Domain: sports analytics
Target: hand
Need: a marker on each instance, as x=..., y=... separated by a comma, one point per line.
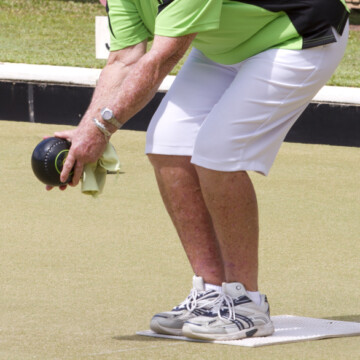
x=87, y=146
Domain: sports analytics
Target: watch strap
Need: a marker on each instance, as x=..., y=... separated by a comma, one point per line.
x=102, y=128
x=114, y=122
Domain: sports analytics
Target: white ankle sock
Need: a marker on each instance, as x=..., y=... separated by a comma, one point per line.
x=254, y=297
x=217, y=288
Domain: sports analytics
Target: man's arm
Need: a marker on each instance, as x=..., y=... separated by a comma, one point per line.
x=141, y=85
x=118, y=67
x=127, y=83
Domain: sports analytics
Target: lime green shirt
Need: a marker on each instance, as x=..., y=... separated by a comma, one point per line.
x=229, y=31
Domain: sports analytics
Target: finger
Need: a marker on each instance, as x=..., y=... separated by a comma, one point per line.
x=78, y=171
x=66, y=134
x=67, y=167
x=61, y=187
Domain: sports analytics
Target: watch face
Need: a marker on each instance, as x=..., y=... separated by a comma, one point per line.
x=106, y=114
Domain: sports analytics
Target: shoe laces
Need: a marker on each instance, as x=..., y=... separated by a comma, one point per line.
x=196, y=300
x=224, y=307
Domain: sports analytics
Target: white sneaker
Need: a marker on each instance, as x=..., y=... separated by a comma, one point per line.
x=198, y=303
x=234, y=316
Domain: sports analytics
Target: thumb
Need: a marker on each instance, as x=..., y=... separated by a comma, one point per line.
x=67, y=166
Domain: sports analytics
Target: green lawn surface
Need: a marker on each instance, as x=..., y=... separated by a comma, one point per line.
x=80, y=276
x=61, y=32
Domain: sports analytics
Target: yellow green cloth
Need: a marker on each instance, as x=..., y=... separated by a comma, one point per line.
x=94, y=176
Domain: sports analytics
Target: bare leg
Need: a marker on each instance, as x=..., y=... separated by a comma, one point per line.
x=231, y=201
x=179, y=187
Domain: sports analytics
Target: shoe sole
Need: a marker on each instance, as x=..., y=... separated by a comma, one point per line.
x=258, y=331
x=160, y=329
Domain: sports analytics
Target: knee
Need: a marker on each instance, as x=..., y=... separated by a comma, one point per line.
x=159, y=161
x=155, y=160
x=173, y=168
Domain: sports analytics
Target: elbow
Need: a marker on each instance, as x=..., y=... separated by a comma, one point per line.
x=127, y=56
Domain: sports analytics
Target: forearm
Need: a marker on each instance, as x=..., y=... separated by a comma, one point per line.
x=126, y=84
x=137, y=89
x=118, y=67
x=108, y=85
x=127, y=90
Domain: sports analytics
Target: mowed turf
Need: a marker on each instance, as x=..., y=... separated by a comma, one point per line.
x=79, y=276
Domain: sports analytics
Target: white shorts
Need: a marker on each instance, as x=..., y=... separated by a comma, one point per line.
x=235, y=117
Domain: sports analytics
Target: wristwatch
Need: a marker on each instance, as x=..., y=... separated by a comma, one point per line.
x=108, y=116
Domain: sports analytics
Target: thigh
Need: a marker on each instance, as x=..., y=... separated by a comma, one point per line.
x=198, y=86
x=246, y=127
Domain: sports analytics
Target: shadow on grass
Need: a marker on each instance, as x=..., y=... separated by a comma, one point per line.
x=83, y=1
x=137, y=338
x=352, y=318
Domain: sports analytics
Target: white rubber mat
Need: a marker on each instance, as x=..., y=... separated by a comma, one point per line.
x=288, y=329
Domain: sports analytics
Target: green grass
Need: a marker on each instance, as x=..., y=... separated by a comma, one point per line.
x=61, y=32
x=52, y=32
x=348, y=72
x=79, y=276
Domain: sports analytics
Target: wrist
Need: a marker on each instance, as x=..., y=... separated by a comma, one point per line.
x=107, y=124
x=107, y=134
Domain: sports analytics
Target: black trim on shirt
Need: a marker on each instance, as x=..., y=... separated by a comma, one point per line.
x=312, y=19
x=110, y=27
x=163, y=4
